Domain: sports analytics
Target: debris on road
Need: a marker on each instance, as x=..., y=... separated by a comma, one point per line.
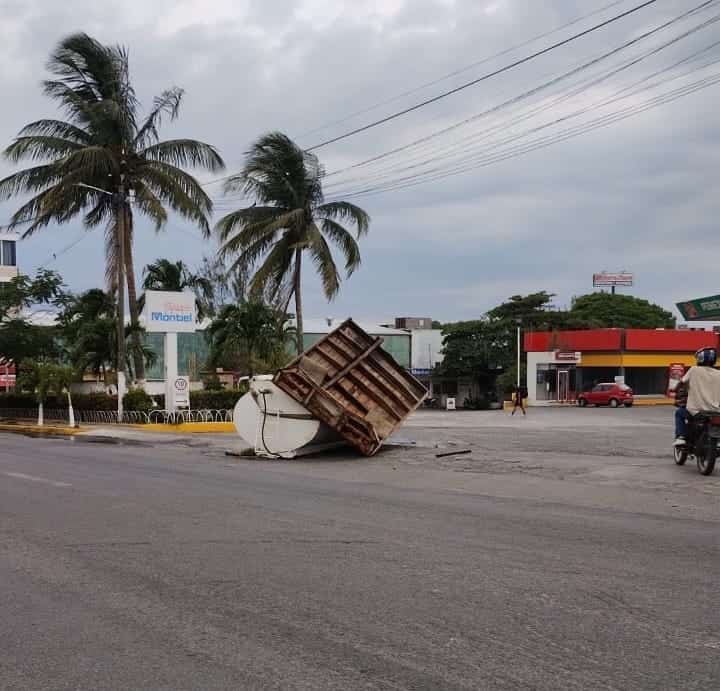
x=460, y=452
x=348, y=382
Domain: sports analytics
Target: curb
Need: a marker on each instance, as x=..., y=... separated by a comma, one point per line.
x=36, y=431
x=190, y=428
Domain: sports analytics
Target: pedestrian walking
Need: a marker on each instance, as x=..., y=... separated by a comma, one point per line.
x=520, y=395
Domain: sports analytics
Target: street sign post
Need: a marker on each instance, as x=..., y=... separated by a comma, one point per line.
x=700, y=309
x=181, y=392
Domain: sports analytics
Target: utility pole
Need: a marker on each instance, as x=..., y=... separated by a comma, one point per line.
x=120, y=258
x=518, y=356
x=120, y=201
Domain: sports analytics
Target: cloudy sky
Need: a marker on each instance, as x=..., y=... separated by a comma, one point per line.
x=639, y=195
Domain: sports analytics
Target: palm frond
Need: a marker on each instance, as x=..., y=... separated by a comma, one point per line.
x=250, y=253
x=251, y=226
x=100, y=213
x=30, y=180
x=345, y=211
x=186, y=153
x=58, y=203
x=163, y=274
x=270, y=276
x=169, y=189
x=55, y=128
x=185, y=181
x=95, y=72
x=240, y=219
x=92, y=163
x=324, y=262
x=40, y=148
x=275, y=172
x=167, y=104
x=149, y=205
x=345, y=241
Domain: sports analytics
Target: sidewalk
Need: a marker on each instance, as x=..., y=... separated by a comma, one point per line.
x=150, y=435
x=154, y=435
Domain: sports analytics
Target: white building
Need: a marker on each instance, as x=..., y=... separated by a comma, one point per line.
x=8, y=256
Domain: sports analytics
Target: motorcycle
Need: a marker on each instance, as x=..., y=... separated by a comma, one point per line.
x=703, y=443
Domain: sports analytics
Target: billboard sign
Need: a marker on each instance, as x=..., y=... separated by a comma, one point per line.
x=700, y=309
x=169, y=312
x=606, y=280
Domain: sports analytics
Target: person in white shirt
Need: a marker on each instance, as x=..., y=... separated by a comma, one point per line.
x=703, y=382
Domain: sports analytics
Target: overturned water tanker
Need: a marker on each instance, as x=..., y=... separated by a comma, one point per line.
x=343, y=389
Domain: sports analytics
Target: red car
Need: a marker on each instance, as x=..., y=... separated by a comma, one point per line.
x=613, y=395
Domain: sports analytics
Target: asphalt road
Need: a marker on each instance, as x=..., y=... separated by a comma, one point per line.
x=177, y=568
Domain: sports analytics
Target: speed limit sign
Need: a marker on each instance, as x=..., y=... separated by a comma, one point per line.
x=181, y=392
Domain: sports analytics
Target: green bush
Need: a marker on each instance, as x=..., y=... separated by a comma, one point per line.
x=480, y=403
x=91, y=401
x=133, y=400
x=215, y=400
x=213, y=383
x=137, y=399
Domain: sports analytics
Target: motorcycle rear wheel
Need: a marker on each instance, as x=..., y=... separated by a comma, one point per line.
x=706, y=455
x=681, y=455
x=706, y=466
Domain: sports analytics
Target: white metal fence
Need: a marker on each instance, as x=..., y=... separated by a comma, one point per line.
x=133, y=417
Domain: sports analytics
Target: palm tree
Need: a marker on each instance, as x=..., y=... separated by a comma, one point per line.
x=106, y=161
x=288, y=219
x=163, y=274
x=247, y=335
x=87, y=326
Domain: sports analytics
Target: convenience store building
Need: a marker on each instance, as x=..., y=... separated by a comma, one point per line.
x=561, y=364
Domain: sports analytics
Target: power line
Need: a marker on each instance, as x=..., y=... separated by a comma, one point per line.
x=544, y=142
x=55, y=255
x=552, y=103
x=616, y=97
x=462, y=70
x=489, y=75
x=475, y=81
x=482, y=159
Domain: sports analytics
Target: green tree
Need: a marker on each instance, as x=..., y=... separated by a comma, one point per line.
x=87, y=326
x=247, y=335
x=38, y=377
x=20, y=337
x=226, y=286
x=103, y=152
x=63, y=377
x=163, y=274
x=23, y=292
x=485, y=350
x=621, y=311
x=535, y=312
x=288, y=220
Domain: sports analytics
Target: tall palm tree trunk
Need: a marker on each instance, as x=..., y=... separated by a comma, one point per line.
x=298, y=300
x=138, y=360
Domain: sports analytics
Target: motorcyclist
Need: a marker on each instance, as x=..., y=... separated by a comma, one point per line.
x=703, y=386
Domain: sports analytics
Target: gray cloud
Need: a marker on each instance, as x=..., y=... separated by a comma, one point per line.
x=638, y=195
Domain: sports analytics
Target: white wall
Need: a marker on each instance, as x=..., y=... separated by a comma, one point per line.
x=426, y=348
x=533, y=360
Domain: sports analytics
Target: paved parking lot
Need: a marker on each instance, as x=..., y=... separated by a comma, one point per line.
x=595, y=455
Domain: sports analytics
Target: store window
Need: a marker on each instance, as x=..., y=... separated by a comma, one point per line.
x=446, y=387
x=8, y=255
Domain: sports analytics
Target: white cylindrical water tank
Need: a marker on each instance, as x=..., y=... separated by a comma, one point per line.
x=274, y=424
